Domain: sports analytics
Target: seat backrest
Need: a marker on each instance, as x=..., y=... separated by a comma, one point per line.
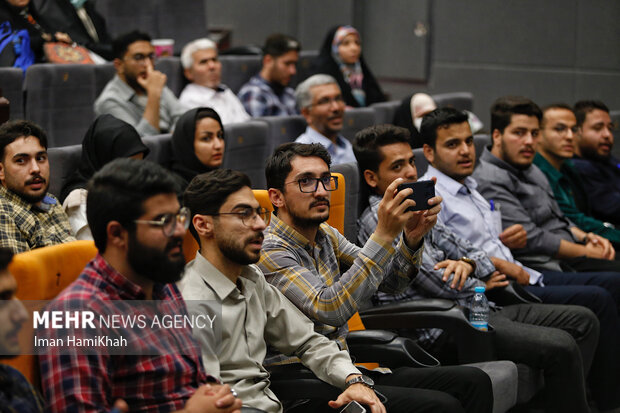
x=480, y=142
x=42, y=274
x=171, y=67
x=384, y=111
x=63, y=162
x=161, y=148
x=247, y=149
x=356, y=120
x=304, y=66
x=351, y=202
x=103, y=74
x=421, y=164
x=283, y=129
x=60, y=99
x=11, y=79
x=236, y=69
x=457, y=100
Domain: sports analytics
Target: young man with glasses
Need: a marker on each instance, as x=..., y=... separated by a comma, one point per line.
x=228, y=223
x=329, y=279
x=138, y=228
x=138, y=93
x=320, y=100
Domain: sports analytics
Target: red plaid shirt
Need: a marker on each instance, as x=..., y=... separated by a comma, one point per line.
x=91, y=383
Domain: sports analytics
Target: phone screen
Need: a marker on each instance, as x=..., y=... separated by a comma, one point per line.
x=353, y=407
x=422, y=192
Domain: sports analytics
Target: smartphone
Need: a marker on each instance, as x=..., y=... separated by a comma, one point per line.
x=353, y=407
x=422, y=192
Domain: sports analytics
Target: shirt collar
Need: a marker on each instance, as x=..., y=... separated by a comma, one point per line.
x=15, y=199
x=319, y=138
x=286, y=232
x=487, y=156
x=221, y=284
x=124, y=91
x=552, y=174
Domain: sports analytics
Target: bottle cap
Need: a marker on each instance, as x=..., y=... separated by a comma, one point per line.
x=479, y=289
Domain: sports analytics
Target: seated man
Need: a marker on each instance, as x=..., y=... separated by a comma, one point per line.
x=526, y=333
x=30, y=216
x=554, y=152
x=138, y=94
x=329, y=279
x=506, y=176
x=599, y=170
x=203, y=69
x=138, y=228
x=321, y=103
x=228, y=223
x=267, y=93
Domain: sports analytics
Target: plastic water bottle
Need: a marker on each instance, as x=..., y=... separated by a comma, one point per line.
x=479, y=310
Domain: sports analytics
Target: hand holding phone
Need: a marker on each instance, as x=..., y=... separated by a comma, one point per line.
x=422, y=192
x=353, y=407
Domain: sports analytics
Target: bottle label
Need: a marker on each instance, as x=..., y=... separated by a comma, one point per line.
x=480, y=325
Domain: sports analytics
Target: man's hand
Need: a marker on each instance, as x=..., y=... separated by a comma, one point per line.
x=391, y=215
x=361, y=394
x=511, y=270
x=422, y=222
x=608, y=252
x=514, y=236
x=213, y=399
x=154, y=81
x=461, y=271
x=496, y=280
x=63, y=37
x=120, y=406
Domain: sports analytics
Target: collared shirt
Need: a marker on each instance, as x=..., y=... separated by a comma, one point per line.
x=121, y=101
x=25, y=226
x=260, y=99
x=469, y=216
x=341, y=151
x=568, y=188
x=330, y=279
x=153, y=383
x=525, y=198
x=16, y=394
x=222, y=99
x=439, y=244
x=602, y=178
x=254, y=314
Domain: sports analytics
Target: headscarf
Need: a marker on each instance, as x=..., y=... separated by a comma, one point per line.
x=352, y=73
x=184, y=159
x=421, y=104
x=107, y=138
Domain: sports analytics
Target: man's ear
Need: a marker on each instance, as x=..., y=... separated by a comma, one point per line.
x=117, y=235
x=203, y=224
x=371, y=178
x=118, y=65
x=2, y=172
x=429, y=153
x=276, y=197
x=267, y=60
x=496, y=136
x=188, y=74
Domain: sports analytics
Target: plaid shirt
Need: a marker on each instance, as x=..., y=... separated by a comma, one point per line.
x=439, y=244
x=309, y=275
x=259, y=99
x=91, y=383
x=25, y=226
x=16, y=394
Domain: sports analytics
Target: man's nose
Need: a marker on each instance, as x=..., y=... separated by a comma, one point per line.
x=34, y=166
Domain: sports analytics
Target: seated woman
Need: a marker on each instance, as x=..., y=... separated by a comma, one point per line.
x=341, y=57
x=197, y=144
x=107, y=138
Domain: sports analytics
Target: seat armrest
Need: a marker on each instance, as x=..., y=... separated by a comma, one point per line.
x=397, y=352
x=363, y=337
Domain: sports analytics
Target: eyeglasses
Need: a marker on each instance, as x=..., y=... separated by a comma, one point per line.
x=309, y=184
x=168, y=222
x=139, y=57
x=328, y=101
x=248, y=215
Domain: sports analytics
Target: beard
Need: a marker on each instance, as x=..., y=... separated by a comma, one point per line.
x=309, y=222
x=154, y=264
x=235, y=250
x=28, y=197
x=132, y=81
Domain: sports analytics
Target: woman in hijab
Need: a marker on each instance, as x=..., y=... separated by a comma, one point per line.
x=197, y=144
x=107, y=138
x=341, y=57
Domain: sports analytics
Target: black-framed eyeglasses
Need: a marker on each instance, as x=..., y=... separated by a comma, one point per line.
x=248, y=215
x=169, y=222
x=139, y=57
x=309, y=184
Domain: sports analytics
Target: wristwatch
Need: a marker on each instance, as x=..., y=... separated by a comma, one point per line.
x=470, y=262
x=365, y=380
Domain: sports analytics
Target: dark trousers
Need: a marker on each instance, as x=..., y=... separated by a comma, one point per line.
x=590, y=264
x=427, y=390
x=588, y=290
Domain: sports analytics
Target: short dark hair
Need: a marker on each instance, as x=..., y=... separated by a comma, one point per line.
x=6, y=255
x=503, y=109
x=118, y=191
x=439, y=118
x=278, y=44
x=206, y=192
x=583, y=107
x=558, y=105
x=279, y=164
x=368, y=141
x=122, y=42
x=15, y=129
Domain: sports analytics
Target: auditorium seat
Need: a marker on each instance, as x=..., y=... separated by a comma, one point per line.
x=283, y=129
x=60, y=99
x=356, y=120
x=171, y=67
x=480, y=142
x=247, y=149
x=237, y=70
x=63, y=162
x=304, y=66
x=11, y=82
x=103, y=74
x=351, y=179
x=457, y=100
x=384, y=111
x=421, y=164
x=161, y=148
